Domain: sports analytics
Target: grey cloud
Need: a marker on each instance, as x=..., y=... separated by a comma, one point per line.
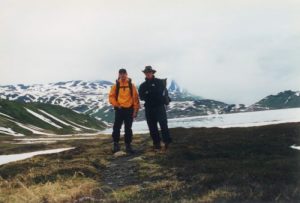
x=222, y=50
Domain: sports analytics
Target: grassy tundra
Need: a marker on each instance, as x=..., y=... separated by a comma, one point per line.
x=203, y=165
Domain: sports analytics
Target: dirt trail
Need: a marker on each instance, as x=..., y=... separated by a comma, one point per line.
x=122, y=170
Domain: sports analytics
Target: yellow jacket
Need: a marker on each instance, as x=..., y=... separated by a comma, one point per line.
x=124, y=98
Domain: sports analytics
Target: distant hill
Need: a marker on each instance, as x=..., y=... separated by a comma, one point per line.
x=17, y=118
x=286, y=99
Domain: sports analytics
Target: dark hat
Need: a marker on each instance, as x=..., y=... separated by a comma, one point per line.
x=122, y=70
x=149, y=69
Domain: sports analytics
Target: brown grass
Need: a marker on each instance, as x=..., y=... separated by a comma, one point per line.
x=61, y=190
x=202, y=165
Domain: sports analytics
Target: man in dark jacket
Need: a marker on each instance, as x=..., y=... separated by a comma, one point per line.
x=152, y=92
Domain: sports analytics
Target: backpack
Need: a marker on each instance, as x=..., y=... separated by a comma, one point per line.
x=166, y=96
x=118, y=88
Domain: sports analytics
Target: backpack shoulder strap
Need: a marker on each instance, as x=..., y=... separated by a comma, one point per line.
x=130, y=87
x=117, y=89
x=162, y=83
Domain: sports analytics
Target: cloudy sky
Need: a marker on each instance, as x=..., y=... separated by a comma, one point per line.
x=235, y=51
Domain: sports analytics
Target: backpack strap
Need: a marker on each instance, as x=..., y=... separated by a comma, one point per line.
x=130, y=87
x=117, y=89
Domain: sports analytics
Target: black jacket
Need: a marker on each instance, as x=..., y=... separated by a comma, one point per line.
x=151, y=91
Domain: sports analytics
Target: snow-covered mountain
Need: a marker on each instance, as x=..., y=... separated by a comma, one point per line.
x=179, y=94
x=80, y=96
x=77, y=95
x=92, y=98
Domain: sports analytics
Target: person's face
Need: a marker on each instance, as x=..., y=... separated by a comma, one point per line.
x=149, y=75
x=123, y=76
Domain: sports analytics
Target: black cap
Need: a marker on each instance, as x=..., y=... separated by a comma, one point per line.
x=149, y=69
x=122, y=70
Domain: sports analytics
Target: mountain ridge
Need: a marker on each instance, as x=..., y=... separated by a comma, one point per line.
x=91, y=97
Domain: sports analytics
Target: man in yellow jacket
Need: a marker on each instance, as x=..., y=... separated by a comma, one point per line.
x=124, y=98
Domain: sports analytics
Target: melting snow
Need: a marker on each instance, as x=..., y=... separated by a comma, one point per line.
x=4, y=159
x=6, y=115
x=9, y=131
x=32, y=129
x=64, y=123
x=295, y=147
x=43, y=118
x=49, y=139
x=51, y=116
x=82, y=126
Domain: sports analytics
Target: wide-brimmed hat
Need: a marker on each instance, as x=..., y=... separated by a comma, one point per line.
x=149, y=69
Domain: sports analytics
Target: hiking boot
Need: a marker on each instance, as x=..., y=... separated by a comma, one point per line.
x=167, y=145
x=156, y=147
x=116, y=147
x=129, y=149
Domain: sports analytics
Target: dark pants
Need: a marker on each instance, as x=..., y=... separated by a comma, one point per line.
x=156, y=115
x=123, y=115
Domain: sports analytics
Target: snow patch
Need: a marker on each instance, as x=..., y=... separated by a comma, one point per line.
x=57, y=119
x=9, y=131
x=287, y=100
x=81, y=126
x=295, y=147
x=6, y=115
x=49, y=139
x=43, y=118
x=51, y=116
x=4, y=159
x=33, y=129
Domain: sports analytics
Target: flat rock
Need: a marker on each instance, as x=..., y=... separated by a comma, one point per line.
x=120, y=154
x=138, y=158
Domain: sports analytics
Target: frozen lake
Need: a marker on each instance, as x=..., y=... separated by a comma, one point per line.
x=245, y=119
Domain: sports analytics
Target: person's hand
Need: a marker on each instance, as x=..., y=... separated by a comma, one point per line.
x=134, y=115
x=118, y=106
